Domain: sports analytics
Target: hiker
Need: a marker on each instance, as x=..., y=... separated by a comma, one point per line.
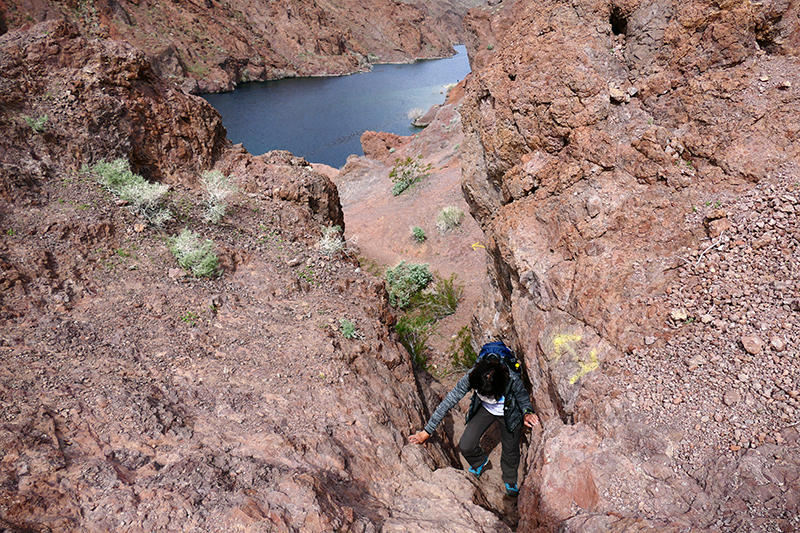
x=499, y=396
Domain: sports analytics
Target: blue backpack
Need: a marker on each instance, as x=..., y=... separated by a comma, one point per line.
x=498, y=351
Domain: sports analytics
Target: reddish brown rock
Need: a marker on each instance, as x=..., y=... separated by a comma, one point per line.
x=137, y=399
x=211, y=46
x=599, y=139
x=752, y=344
x=382, y=146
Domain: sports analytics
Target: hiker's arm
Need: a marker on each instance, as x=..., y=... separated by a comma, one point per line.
x=524, y=401
x=452, y=398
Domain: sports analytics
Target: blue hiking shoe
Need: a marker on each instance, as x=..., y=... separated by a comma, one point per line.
x=512, y=489
x=478, y=471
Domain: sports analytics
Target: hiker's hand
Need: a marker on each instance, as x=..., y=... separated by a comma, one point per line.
x=531, y=420
x=419, y=437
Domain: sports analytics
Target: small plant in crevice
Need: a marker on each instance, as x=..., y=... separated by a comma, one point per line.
x=462, y=353
x=418, y=234
x=349, y=330
x=195, y=255
x=37, y=124
x=333, y=242
x=449, y=218
x=413, y=330
x=218, y=188
x=144, y=198
x=406, y=172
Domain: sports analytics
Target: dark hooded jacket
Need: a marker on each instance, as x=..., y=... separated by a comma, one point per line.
x=517, y=403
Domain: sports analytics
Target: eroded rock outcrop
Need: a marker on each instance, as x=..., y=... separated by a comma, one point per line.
x=602, y=139
x=137, y=398
x=211, y=46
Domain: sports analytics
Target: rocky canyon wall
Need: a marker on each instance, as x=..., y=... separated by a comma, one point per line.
x=607, y=146
x=211, y=46
x=138, y=398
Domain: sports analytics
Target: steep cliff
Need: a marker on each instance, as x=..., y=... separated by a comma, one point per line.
x=138, y=398
x=211, y=45
x=633, y=165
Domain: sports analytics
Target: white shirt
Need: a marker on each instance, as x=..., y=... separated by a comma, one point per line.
x=495, y=407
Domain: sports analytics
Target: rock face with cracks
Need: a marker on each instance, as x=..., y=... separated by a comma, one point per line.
x=607, y=147
x=138, y=398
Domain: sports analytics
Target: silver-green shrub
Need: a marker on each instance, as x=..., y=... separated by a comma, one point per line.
x=218, y=188
x=143, y=197
x=331, y=242
x=195, y=255
x=415, y=112
x=448, y=218
x=406, y=281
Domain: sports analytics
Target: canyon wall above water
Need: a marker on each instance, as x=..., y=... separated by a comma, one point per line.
x=210, y=45
x=136, y=397
x=633, y=167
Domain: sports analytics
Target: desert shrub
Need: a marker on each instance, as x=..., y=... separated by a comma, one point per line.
x=196, y=256
x=422, y=306
x=407, y=172
x=36, y=124
x=448, y=218
x=348, y=329
x=406, y=281
x=332, y=242
x=442, y=300
x=413, y=330
x=218, y=188
x=143, y=197
x=415, y=112
x=418, y=234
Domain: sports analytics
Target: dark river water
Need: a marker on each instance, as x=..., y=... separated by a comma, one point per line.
x=322, y=119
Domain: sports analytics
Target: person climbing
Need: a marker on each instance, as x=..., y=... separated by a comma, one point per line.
x=500, y=397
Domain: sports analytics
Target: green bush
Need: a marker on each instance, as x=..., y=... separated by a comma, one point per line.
x=448, y=218
x=218, y=188
x=406, y=173
x=143, y=197
x=405, y=281
x=418, y=234
x=194, y=255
